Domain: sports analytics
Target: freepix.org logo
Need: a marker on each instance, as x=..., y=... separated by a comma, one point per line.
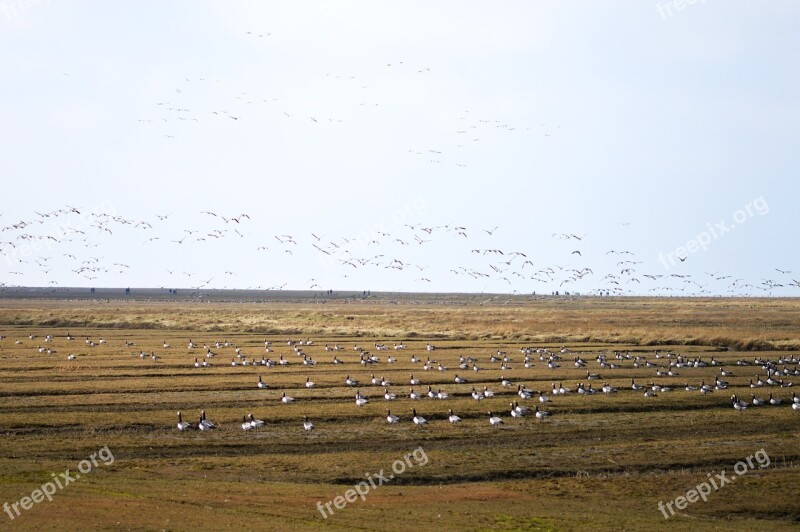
x=59, y=482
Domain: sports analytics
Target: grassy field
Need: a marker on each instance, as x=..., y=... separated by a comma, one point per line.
x=600, y=461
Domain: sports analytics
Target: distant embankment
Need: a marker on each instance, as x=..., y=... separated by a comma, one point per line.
x=741, y=324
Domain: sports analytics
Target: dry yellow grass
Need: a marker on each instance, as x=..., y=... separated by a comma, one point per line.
x=604, y=461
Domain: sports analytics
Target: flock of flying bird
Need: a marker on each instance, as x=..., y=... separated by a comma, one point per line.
x=71, y=245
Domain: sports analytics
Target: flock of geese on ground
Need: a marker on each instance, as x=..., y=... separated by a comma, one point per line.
x=663, y=364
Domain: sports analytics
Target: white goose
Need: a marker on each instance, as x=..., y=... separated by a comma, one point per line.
x=205, y=424
x=739, y=405
x=246, y=425
x=541, y=414
x=184, y=425
x=412, y=381
x=452, y=418
x=756, y=401
x=256, y=423
x=390, y=418
x=418, y=420
x=261, y=384
x=309, y=382
x=285, y=399
x=360, y=399
x=388, y=396
x=524, y=410
x=307, y=425
x=494, y=420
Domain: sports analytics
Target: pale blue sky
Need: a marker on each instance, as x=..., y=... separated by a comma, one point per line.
x=636, y=124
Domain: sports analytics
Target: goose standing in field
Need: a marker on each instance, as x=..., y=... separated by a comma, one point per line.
x=459, y=380
x=285, y=399
x=412, y=381
x=413, y=395
x=390, y=418
x=478, y=396
x=261, y=384
x=775, y=400
x=452, y=418
x=494, y=420
x=350, y=382
x=388, y=396
x=487, y=392
x=607, y=388
x=756, y=401
x=796, y=407
x=418, y=420
x=205, y=424
x=636, y=387
x=256, y=423
x=184, y=425
x=543, y=398
x=739, y=405
x=360, y=399
x=307, y=425
x=520, y=409
x=541, y=414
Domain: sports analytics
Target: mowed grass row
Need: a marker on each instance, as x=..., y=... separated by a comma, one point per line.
x=608, y=458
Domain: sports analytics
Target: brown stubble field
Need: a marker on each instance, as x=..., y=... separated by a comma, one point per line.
x=604, y=460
